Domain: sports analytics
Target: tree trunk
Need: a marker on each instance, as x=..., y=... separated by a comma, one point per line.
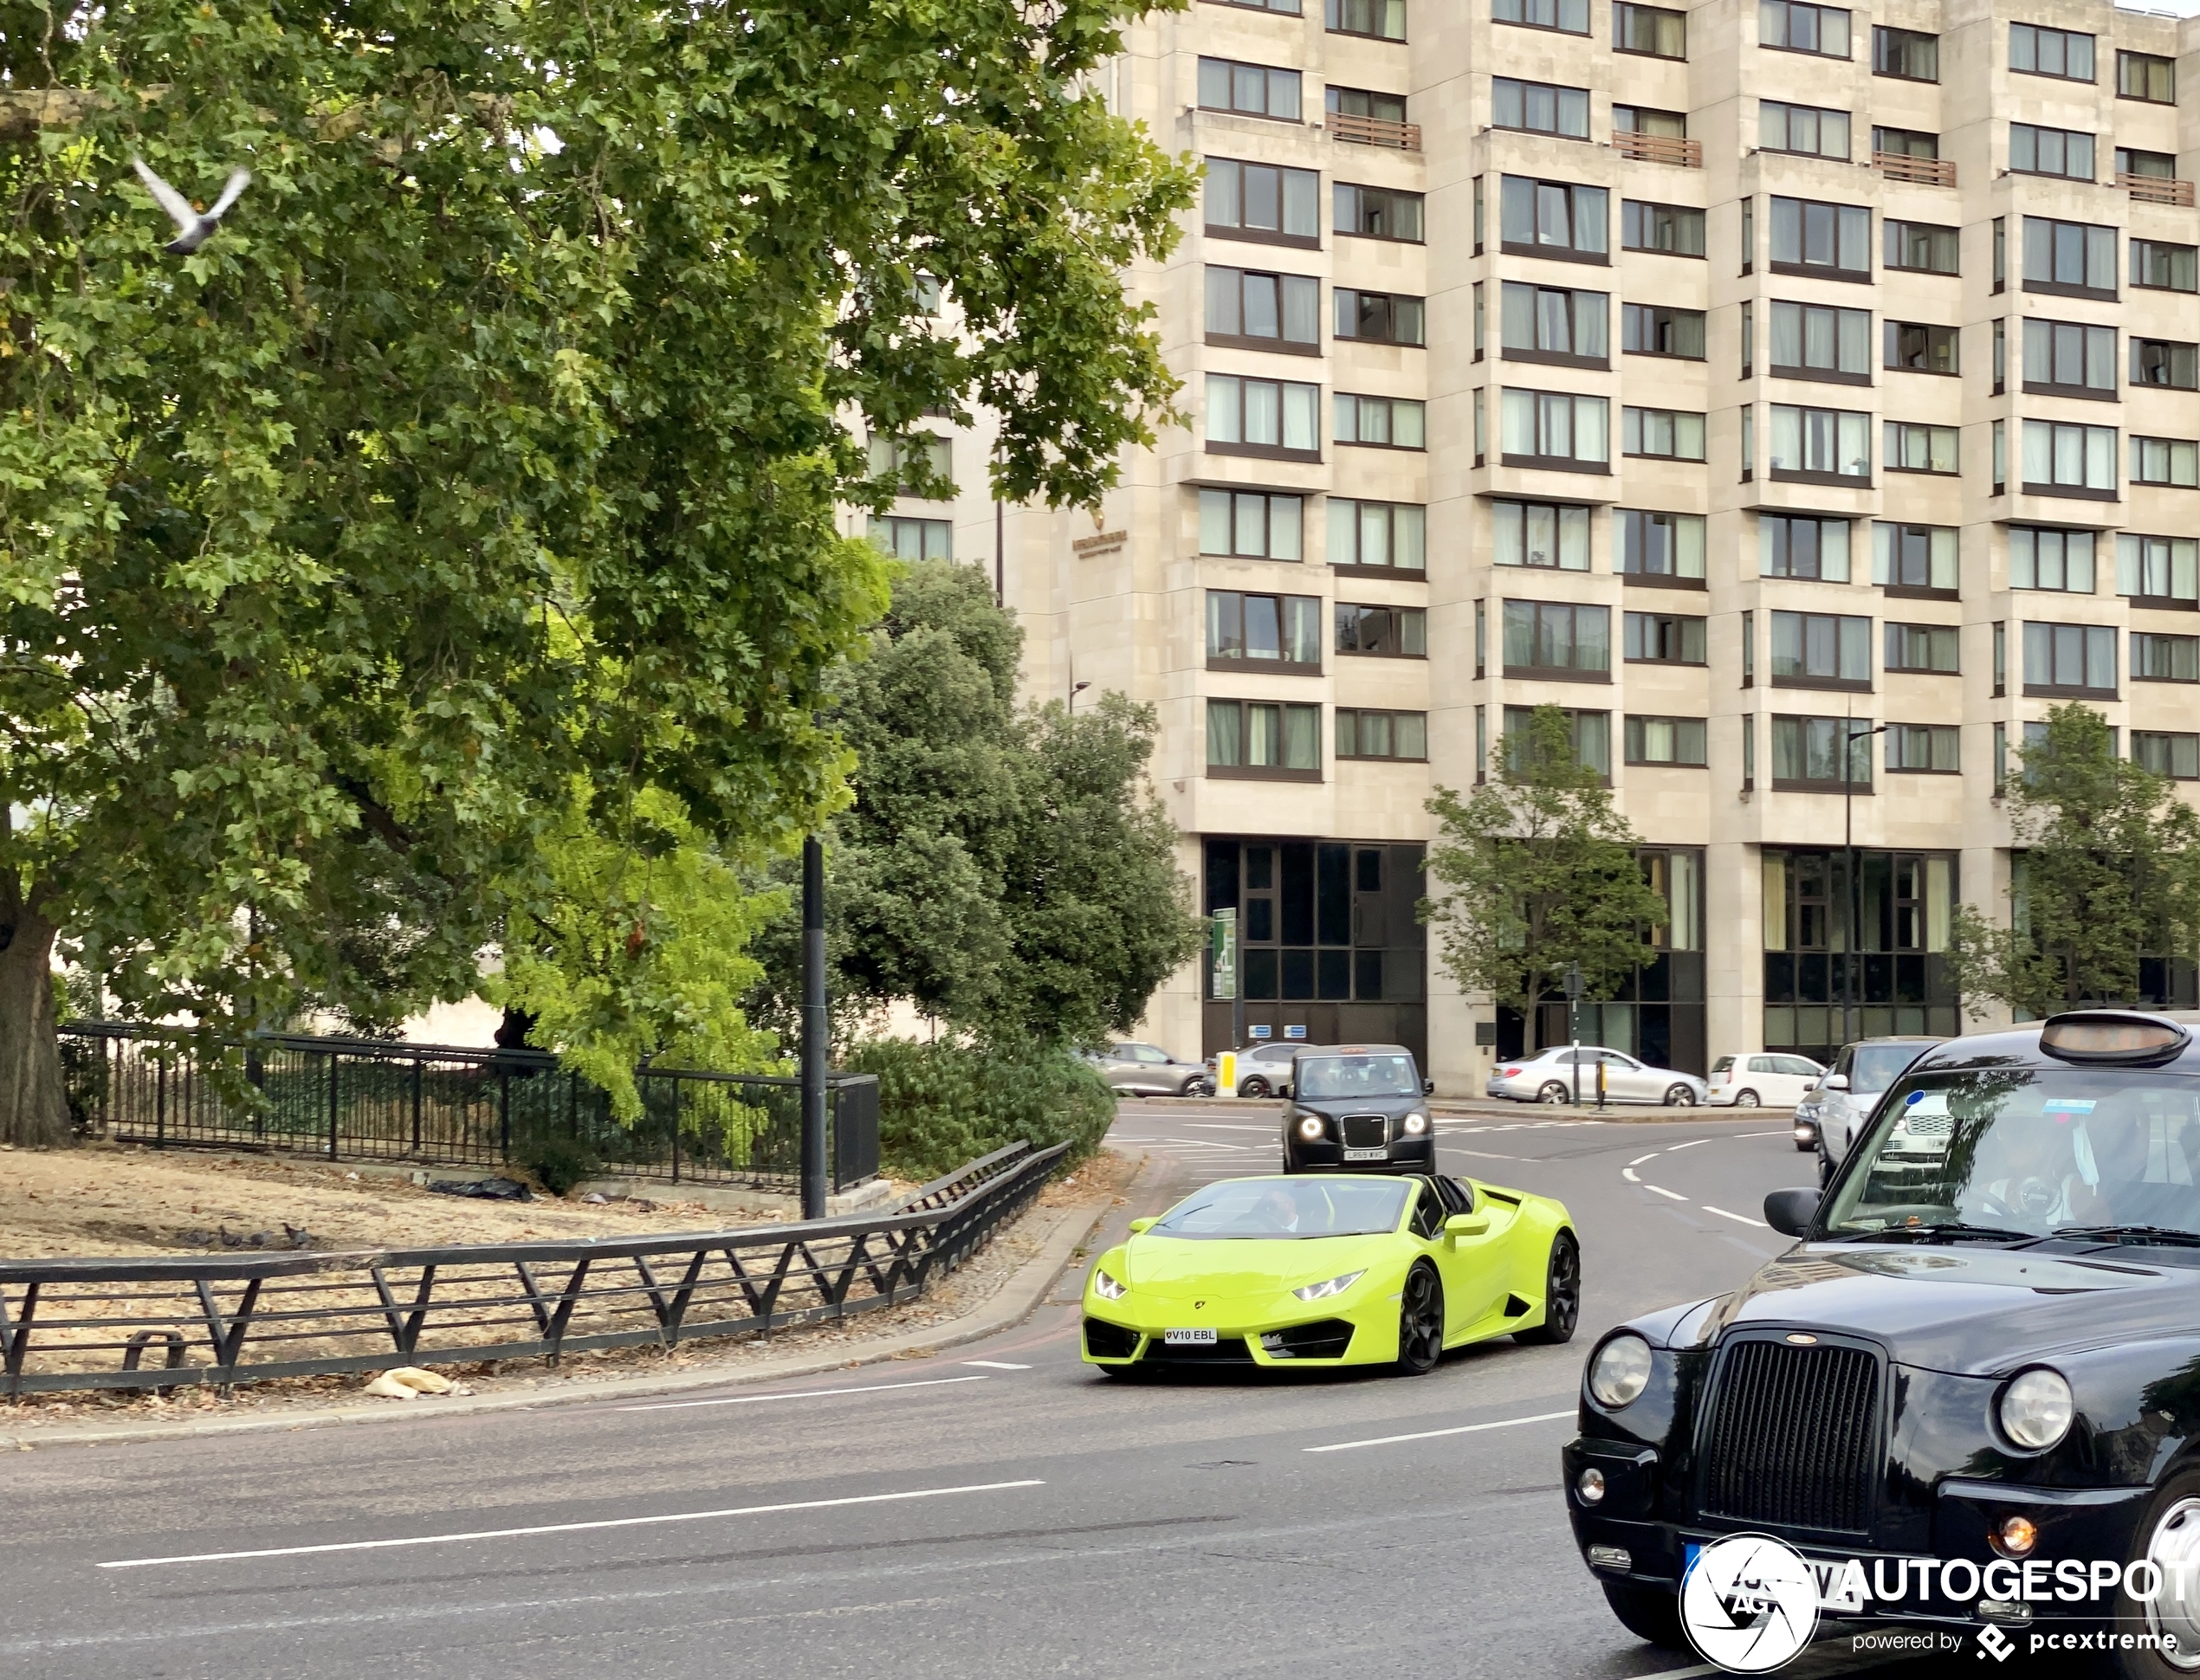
x=34, y=1104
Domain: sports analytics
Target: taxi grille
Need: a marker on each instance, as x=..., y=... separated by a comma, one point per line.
x=1792, y=1436
x=1365, y=1131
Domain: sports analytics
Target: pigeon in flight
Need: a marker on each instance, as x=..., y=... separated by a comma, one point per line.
x=193, y=230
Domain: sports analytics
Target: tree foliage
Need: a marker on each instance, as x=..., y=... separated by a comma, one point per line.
x=460, y=520
x=2107, y=869
x=1539, y=873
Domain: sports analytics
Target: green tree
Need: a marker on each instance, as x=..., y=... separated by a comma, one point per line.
x=461, y=518
x=2106, y=870
x=1540, y=872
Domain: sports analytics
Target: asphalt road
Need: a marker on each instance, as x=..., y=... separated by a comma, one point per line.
x=995, y=1511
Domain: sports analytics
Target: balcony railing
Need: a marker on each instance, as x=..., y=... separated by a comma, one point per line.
x=1658, y=148
x=1925, y=172
x=2155, y=189
x=1375, y=131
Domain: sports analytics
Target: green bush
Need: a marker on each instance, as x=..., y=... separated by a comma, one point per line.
x=942, y=1105
x=559, y=1160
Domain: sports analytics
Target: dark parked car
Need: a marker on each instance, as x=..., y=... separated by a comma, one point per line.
x=1148, y=1071
x=1981, y=1359
x=1358, y=1107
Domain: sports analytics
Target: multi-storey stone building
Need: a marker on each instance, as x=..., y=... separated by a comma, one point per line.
x=1741, y=378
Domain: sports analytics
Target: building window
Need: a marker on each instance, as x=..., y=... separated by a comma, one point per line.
x=2147, y=165
x=2035, y=51
x=1821, y=650
x=1280, y=633
x=1915, y=559
x=1643, y=119
x=1382, y=632
x=1557, y=639
x=1377, y=212
x=1917, y=347
x=1821, y=445
x=1803, y=547
x=2040, y=558
x=2157, y=570
x=1668, y=434
x=1262, y=417
x=1250, y=90
x=2164, y=266
x=1905, y=53
x=1794, y=27
x=2070, y=660
x=1539, y=107
x=1831, y=241
x=1906, y=143
x=1673, y=230
x=1749, y=651
x=1554, y=324
x=2000, y=659
x=1661, y=548
x=1364, y=734
x=1807, y=755
x=1651, y=31
x=1749, y=337
x=1263, y=312
x=1550, y=218
x=2059, y=152
x=1932, y=649
x=2074, y=259
x=2145, y=76
x=1373, y=106
x=2001, y=758
x=914, y=539
x=1384, y=20
x=1390, y=423
x=1249, y=525
x=1379, y=317
x=1264, y=739
x=1748, y=441
x=2166, y=362
x=1749, y=752
x=2068, y=359
x=1481, y=426
x=1481, y=640
x=1481, y=744
x=1554, y=535
x=1914, y=448
x=2001, y=456
x=1592, y=734
x=2061, y=460
x=913, y=462
x=1815, y=341
x=1550, y=429
x=1666, y=638
x=1290, y=8
x=1675, y=741
x=1656, y=329
x=1805, y=128
x=1568, y=17
x=1934, y=749
x=1262, y=201
x=1923, y=248
x=2177, y=756
x=2157, y=658
x=2173, y=462
x=1378, y=536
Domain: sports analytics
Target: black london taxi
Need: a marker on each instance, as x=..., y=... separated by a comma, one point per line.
x=1358, y=1107
x=1969, y=1395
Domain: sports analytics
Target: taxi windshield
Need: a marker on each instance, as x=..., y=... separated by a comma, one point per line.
x=1324, y=1078
x=2029, y=1150
x=1283, y=1208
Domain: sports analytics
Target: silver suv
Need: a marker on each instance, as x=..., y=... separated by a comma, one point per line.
x=1852, y=1087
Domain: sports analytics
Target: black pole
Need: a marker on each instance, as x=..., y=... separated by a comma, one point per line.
x=813, y=1029
x=1848, y=864
x=1000, y=559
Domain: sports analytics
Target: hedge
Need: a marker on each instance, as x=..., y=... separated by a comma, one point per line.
x=941, y=1105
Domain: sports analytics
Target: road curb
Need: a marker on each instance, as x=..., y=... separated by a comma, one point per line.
x=1019, y=1295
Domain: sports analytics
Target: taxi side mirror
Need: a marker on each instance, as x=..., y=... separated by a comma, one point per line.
x=1138, y=1225
x=1428, y=1087
x=1790, y=1212
x=1466, y=1224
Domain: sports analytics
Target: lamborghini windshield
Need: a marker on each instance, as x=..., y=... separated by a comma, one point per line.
x=2028, y=1151
x=1280, y=1208
x=1326, y=1079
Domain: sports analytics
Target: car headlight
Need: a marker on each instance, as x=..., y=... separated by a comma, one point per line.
x=1415, y=1124
x=1311, y=1127
x=1329, y=1286
x=1620, y=1372
x=2036, y=1409
x=1106, y=1287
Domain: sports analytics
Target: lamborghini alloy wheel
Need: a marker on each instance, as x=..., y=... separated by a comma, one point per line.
x=1561, y=1293
x=1420, y=1322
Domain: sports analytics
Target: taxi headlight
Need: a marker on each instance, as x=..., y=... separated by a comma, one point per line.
x=1329, y=1286
x=1416, y=1123
x=1106, y=1287
x=1311, y=1127
x=2036, y=1409
x=1620, y=1372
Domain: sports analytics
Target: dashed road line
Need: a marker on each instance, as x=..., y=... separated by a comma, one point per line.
x=804, y=1394
x=1662, y=1190
x=1739, y=1219
x=1431, y=1434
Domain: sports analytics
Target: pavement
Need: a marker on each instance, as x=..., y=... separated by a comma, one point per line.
x=995, y=1510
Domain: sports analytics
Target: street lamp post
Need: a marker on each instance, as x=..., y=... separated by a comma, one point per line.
x=1850, y=737
x=1575, y=987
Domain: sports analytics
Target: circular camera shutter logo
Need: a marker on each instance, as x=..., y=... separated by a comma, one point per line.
x=1750, y=1604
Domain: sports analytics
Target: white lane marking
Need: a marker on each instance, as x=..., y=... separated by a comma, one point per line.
x=1691, y=1144
x=1784, y=1132
x=1628, y=1173
x=1431, y=1434
x=1662, y=1190
x=1638, y=1159
x=1478, y=1154
x=1739, y=1219
x=573, y=1528
x=997, y=1365
x=1226, y=1126
x=804, y=1394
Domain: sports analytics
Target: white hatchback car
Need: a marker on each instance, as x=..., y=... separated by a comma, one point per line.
x=1764, y=1081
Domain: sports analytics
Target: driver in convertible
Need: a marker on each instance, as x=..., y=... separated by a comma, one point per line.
x=1276, y=1211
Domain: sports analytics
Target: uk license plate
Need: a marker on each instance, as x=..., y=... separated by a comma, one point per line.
x=1836, y=1587
x=1366, y=1154
x=1195, y=1338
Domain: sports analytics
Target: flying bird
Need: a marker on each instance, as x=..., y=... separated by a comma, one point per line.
x=193, y=229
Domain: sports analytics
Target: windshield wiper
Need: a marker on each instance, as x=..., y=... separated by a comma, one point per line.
x=1946, y=1230
x=2168, y=1235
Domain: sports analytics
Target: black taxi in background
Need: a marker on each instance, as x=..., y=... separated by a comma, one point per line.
x=1358, y=1107
x=1976, y=1376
